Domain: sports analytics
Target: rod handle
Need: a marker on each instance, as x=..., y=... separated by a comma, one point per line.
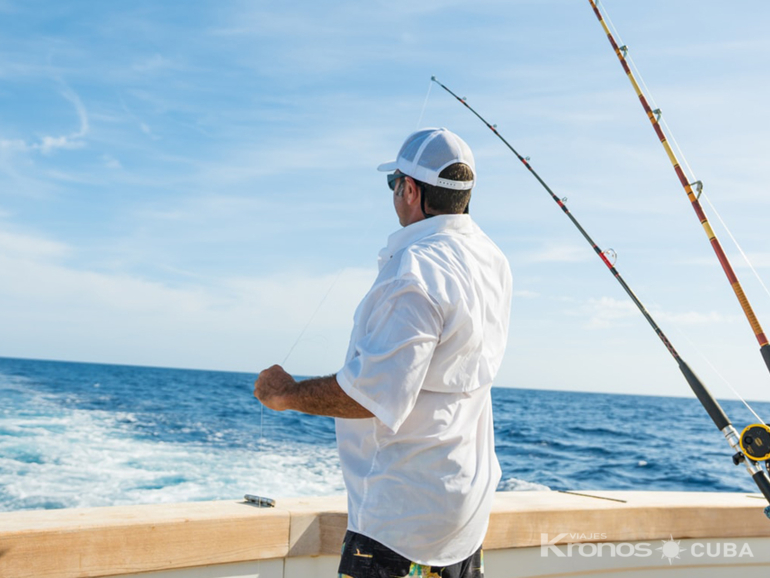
x=707, y=400
x=763, y=483
x=765, y=351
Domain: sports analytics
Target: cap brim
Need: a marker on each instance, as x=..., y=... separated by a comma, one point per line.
x=388, y=167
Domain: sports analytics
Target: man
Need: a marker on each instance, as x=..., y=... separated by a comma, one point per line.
x=412, y=402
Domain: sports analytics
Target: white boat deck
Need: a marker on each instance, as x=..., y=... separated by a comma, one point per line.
x=531, y=534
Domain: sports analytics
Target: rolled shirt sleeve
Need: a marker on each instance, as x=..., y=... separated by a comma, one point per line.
x=391, y=355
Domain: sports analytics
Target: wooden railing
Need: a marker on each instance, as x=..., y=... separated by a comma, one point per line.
x=128, y=540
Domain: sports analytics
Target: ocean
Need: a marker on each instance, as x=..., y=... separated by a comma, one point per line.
x=81, y=435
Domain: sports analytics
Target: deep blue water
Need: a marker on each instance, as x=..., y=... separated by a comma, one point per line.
x=78, y=434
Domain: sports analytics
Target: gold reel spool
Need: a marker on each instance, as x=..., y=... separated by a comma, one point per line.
x=755, y=442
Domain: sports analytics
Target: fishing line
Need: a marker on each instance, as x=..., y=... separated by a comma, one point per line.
x=715, y=370
x=612, y=26
x=424, y=104
x=629, y=57
x=654, y=118
x=637, y=73
x=309, y=321
x=735, y=241
x=268, y=502
x=680, y=154
x=299, y=338
x=709, y=403
x=703, y=195
x=333, y=284
x=690, y=172
x=263, y=502
x=672, y=137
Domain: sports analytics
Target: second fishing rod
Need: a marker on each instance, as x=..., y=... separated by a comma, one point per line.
x=654, y=118
x=710, y=404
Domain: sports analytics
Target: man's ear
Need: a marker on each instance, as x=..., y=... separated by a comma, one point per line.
x=412, y=192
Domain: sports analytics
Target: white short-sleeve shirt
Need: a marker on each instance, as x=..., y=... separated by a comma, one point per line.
x=427, y=341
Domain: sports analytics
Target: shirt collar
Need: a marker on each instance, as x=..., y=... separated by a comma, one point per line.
x=421, y=229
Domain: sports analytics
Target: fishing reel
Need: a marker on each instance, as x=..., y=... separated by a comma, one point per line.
x=755, y=442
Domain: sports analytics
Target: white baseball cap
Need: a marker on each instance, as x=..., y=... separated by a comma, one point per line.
x=429, y=151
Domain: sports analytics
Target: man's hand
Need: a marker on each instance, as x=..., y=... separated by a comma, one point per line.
x=274, y=388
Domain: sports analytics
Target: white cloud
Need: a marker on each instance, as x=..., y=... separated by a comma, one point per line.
x=56, y=311
x=606, y=312
x=20, y=246
x=111, y=162
x=526, y=294
x=13, y=145
x=696, y=318
x=48, y=144
x=72, y=96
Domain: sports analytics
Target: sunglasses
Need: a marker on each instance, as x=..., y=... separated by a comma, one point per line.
x=393, y=178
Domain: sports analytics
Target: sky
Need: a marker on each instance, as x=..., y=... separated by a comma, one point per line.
x=192, y=184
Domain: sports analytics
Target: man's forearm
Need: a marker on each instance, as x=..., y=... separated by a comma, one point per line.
x=324, y=396
x=278, y=390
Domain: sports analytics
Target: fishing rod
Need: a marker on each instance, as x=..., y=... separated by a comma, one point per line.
x=654, y=116
x=749, y=448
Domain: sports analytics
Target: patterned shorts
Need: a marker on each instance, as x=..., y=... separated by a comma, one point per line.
x=363, y=557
